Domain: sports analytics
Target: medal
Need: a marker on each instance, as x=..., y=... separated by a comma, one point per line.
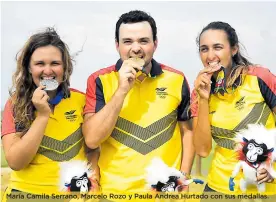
x=50, y=84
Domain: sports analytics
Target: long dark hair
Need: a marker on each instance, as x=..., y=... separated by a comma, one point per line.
x=241, y=62
x=23, y=86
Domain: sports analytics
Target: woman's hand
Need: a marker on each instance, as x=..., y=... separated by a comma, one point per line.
x=40, y=101
x=203, y=83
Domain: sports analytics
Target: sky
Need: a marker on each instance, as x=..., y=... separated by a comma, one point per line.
x=90, y=27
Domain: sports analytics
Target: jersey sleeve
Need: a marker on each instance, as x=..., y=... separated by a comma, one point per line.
x=184, y=113
x=267, y=85
x=94, y=95
x=8, y=124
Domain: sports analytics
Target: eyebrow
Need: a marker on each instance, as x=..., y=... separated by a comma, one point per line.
x=145, y=38
x=202, y=46
x=125, y=39
x=216, y=44
x=43, y=61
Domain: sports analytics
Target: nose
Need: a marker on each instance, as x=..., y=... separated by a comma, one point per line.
x=211, y=55
x=47, y=69
x=136, y=48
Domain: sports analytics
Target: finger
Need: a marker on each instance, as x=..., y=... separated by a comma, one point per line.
x=205, y=70
x=45, y=98
x=270, y=180
x=203, y=84
x=131, y=64
x=133, y=71
x=130, y=76
x=39, y=94
x=264, y=180
x=261, y=177
x=262, y=171
x=40, y=87
x=135, y=65
x=206, y=75
x=206, y=80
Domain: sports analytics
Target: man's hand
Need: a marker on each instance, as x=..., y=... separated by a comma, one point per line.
x=127, y=74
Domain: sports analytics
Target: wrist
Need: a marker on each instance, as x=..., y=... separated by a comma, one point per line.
x=121, y=93
x=43, y=116
x=203, y=101
x=186, y=175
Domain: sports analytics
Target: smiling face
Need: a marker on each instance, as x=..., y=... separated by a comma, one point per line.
x=215, y=49
x=136, y=40
x=46, y=63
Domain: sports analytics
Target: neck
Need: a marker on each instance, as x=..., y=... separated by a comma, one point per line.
x=148, y=68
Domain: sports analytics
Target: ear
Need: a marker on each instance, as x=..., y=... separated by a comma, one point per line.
x=117, y=45
x=244, y=139
x=271, y=150
x=234, y=50
x=155, y=44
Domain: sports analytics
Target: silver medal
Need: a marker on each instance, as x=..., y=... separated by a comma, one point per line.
x=51, y=84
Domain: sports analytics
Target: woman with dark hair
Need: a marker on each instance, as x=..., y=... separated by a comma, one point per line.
x=230, y=93
x=42, y=120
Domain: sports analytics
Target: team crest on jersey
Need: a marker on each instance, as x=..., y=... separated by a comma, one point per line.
x=161, y=92
x=240, y=104
x=70, y=116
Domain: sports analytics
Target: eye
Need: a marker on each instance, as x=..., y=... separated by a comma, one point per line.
x=78, y=183
x=127, y=42
x=250, y=146
x=259, y=151
x=144, y=42
x=218, y=47
x=85, y=180
x=203, y=49
x=55, y=63
x=39, y=63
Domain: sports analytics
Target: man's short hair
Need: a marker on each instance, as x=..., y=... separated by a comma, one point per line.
x=134, y=17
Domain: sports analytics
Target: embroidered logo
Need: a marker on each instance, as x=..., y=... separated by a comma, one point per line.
x=240, y=103
x=161, y=92
x=70, y=116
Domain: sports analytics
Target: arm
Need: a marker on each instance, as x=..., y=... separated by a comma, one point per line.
x=99, y=123
x=202, y=130
x=98, y=126
x=20, y=149
x=93, y=157
x=200, y=112
x=184, y=121
x=188, y=151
